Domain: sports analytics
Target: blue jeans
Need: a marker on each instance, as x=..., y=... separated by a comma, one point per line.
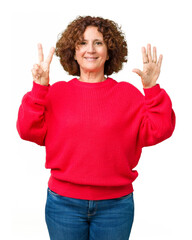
x=76, y=219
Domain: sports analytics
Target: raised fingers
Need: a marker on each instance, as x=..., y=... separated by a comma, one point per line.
x=50, y=56
x=148, y=57
x=40, y=52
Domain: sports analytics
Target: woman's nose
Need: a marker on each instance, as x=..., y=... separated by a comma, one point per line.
x=90, y=48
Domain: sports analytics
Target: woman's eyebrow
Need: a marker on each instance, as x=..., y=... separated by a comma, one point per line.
x=93, y=40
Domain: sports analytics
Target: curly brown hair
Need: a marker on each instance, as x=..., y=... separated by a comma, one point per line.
x=71, y=37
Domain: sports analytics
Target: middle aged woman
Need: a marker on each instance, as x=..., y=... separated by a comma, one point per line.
x=94, y=129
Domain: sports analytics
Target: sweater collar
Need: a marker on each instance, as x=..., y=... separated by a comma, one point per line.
x=92, y=85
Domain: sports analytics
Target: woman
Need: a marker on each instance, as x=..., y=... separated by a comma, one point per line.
x=94, y=129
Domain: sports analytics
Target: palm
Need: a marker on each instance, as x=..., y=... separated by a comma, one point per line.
x=150, y=73
x=151, y=68
x=44, y=71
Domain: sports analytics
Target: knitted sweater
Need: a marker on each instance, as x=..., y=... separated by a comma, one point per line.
x=94, y=133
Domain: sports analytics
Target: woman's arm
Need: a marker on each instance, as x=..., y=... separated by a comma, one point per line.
x=31, y=122
x=158, y=117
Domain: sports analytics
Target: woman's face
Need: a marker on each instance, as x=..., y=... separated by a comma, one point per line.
x=91, y=54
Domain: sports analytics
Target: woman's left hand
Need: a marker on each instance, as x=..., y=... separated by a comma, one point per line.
x=151, y=67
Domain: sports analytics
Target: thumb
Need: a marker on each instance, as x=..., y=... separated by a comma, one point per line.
x=138, y=71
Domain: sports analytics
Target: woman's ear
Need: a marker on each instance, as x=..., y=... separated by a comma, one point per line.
x=75, y=57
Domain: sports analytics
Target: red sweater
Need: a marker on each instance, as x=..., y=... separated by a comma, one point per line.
x=94, y=133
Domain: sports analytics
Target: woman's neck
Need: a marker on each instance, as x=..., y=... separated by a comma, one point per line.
x=92, y=77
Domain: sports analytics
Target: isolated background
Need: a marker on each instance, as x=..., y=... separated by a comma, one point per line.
x=163, y=189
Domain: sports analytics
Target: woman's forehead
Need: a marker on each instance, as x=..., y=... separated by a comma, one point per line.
x=91, y=32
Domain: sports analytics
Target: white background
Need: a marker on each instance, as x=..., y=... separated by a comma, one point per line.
x=163, y=189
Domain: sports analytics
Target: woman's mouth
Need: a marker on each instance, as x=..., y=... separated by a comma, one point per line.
x=91, y=59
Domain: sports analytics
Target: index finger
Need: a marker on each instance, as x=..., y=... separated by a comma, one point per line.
x=145, y=58
x=160, y=61
x=50, y=56
x=40, y=52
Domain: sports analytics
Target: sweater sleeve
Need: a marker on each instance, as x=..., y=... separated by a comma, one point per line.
x=158, y=121
x=31, y=121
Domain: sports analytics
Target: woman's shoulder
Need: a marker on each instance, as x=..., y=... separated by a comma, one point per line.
x=58, y=84
x=58, y=90
x=127, y=84
x=129, y=88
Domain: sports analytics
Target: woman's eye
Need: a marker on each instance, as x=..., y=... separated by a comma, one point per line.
x=82, y=43
x=98, y=43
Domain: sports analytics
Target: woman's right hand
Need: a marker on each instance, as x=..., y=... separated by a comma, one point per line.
x=40, y=71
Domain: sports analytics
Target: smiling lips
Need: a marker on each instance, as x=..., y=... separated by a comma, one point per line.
x=91, y=59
